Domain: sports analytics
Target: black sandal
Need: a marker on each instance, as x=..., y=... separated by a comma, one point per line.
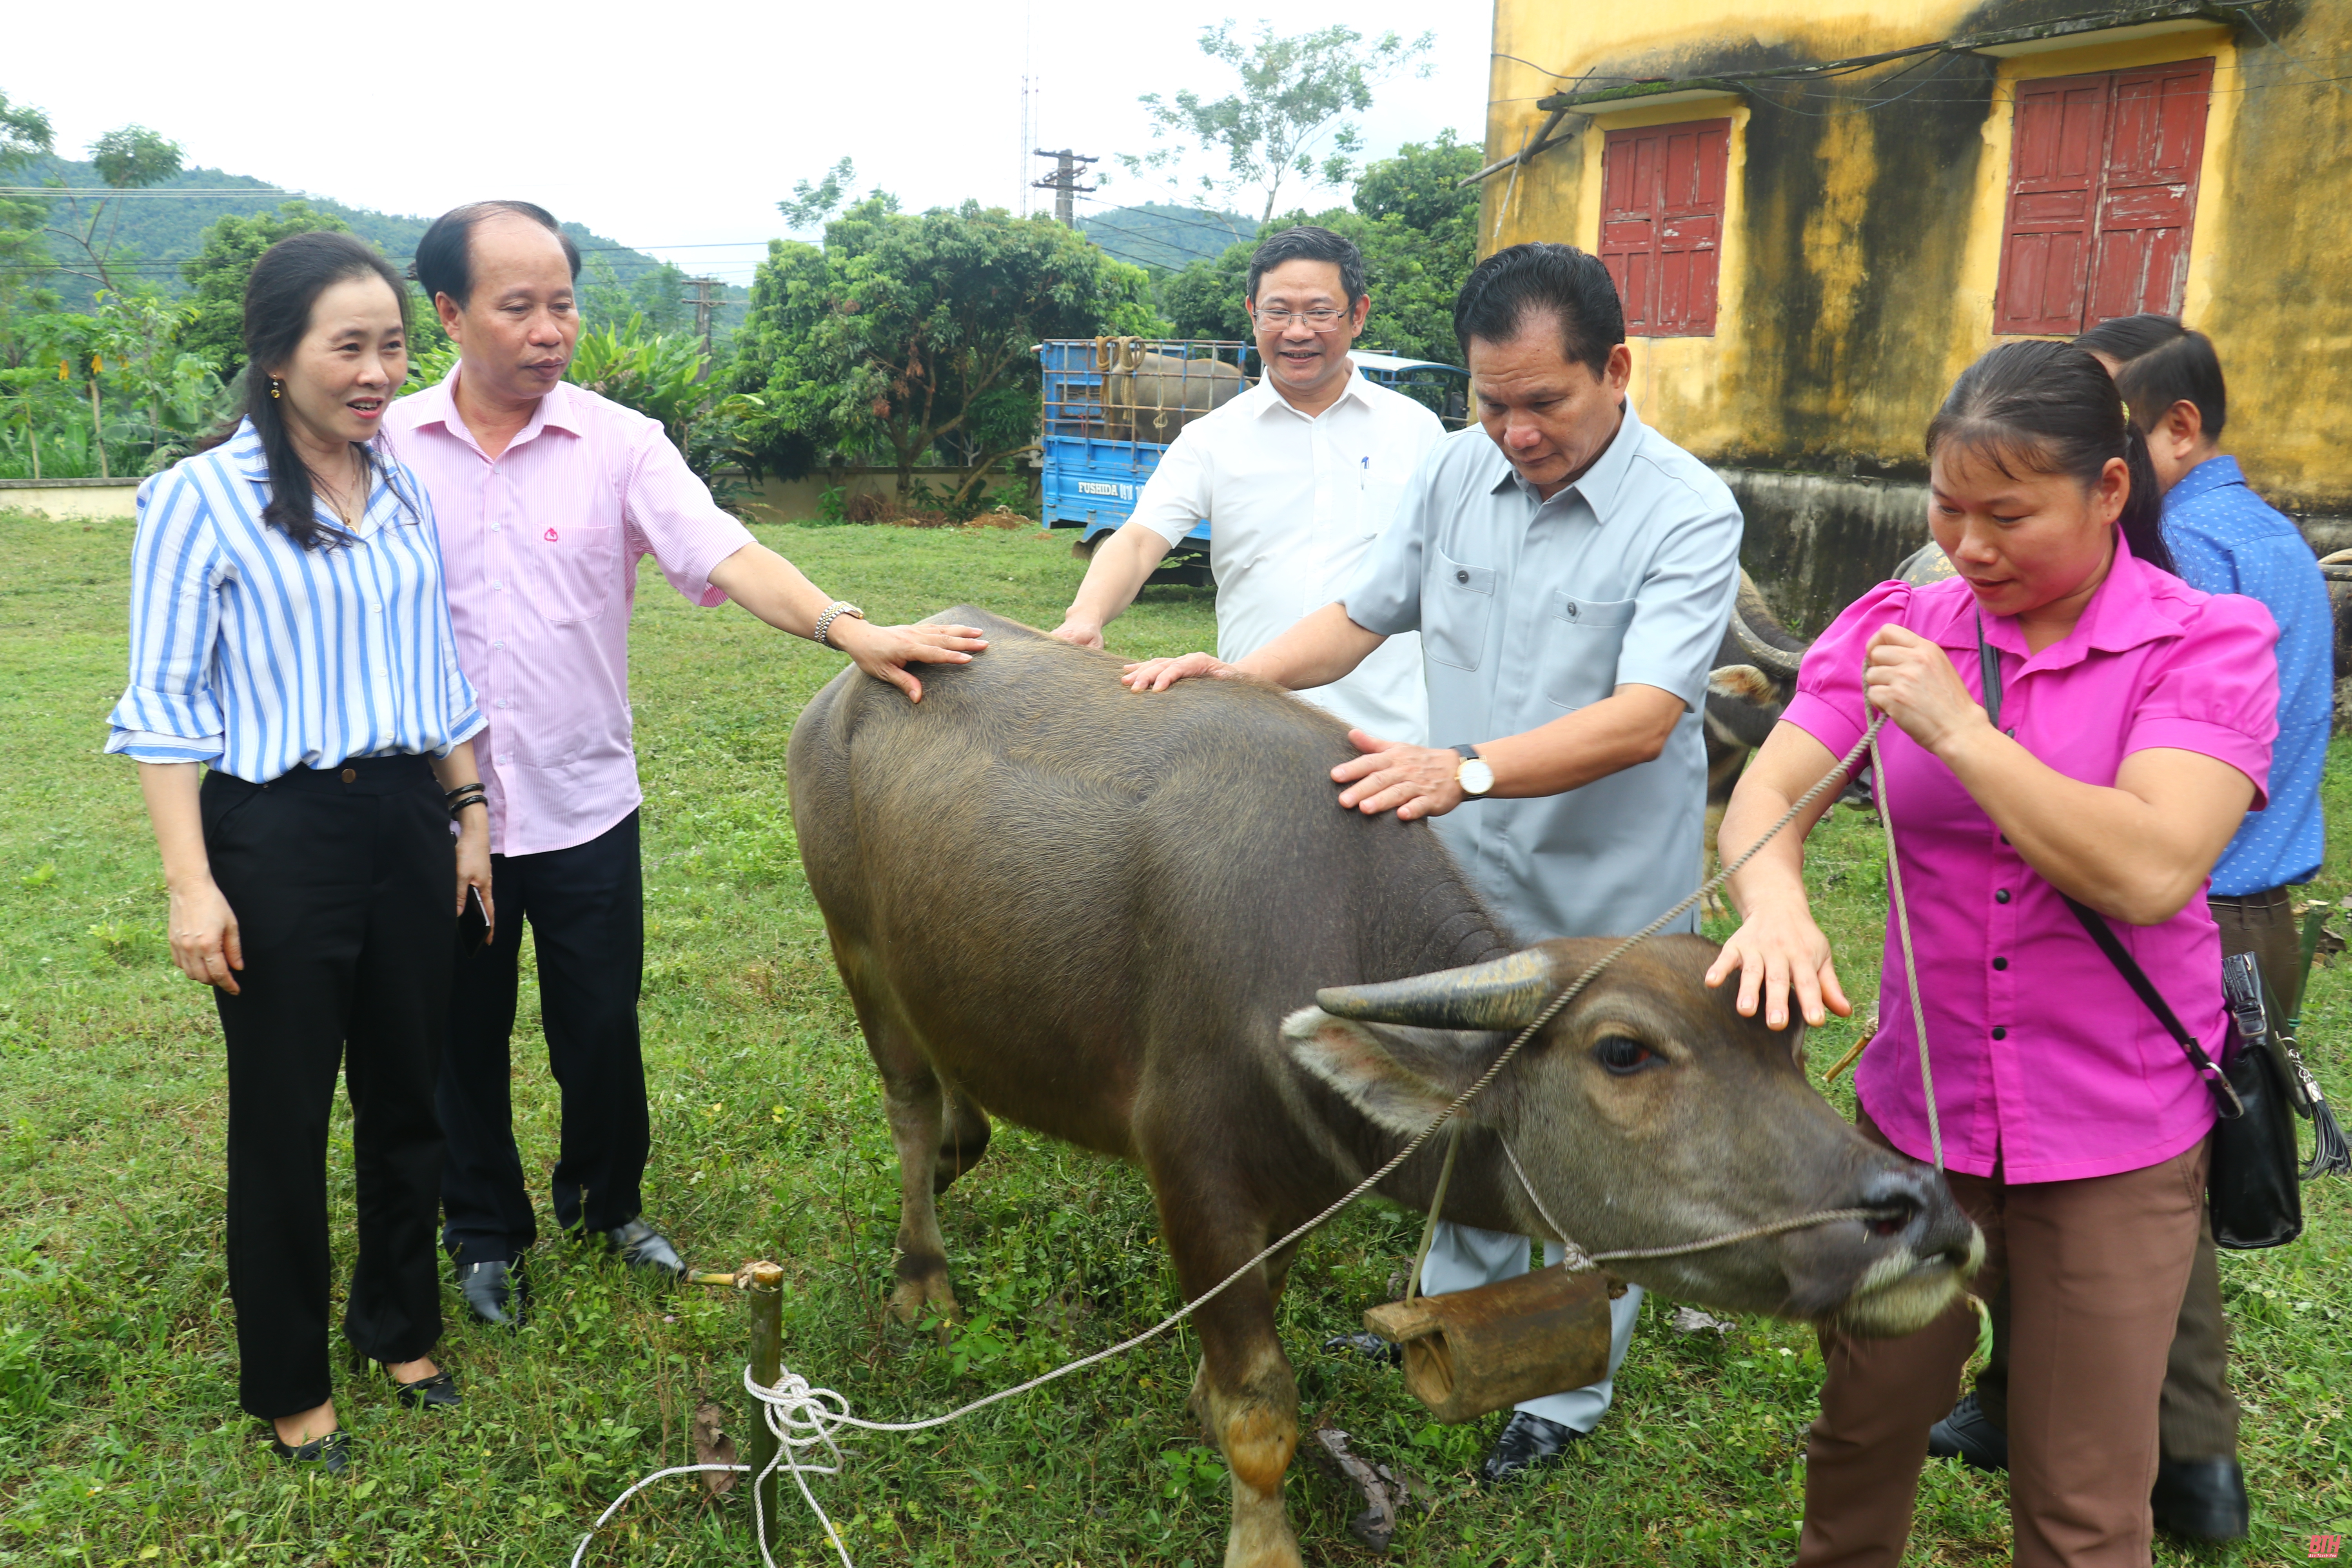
x=332, y=1453
x=440, y=1389
x=425, y=1393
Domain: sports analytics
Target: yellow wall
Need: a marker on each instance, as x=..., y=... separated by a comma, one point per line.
x=1861, y=250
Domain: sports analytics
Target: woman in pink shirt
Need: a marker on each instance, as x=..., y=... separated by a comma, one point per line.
x=2128, y=733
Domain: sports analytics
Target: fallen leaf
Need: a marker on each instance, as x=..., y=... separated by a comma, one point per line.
x=712, y=1445
x=1386, y=1494
x=1691, y=1321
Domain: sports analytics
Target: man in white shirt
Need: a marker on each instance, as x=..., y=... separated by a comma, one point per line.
x=1297, y=475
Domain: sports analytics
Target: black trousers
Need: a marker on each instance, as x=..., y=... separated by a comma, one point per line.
x=344, y=883
x=586, y=909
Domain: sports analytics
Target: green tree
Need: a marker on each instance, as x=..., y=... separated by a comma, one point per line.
x=905, y=334
x=1418, y=229
x=1289, y=119
x=1204, y=299
x=217, y=276
x=1420, y=239
x=129, y=158
x=1422, y=186
x=25, y=135
x=136, y=336
x=656, y=298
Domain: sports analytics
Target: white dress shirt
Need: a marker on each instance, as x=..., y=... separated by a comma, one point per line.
x=1294, y=504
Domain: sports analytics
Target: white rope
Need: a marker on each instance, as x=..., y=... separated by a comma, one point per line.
x=792, y=1406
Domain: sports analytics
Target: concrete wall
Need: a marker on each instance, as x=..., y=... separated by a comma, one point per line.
x=1816, y=542
x=775, y=501
x=797, y=500
x=1860, y=247
x=69, y=498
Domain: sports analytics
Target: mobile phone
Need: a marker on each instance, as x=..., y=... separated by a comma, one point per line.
x=473, y=921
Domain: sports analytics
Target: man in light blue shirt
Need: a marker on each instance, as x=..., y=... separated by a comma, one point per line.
x=2225, y=539
x=1570, y=571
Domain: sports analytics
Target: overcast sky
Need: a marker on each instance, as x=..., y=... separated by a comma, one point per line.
x=671, y=128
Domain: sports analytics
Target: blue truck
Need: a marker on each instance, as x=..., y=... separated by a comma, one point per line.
x=1112, y=406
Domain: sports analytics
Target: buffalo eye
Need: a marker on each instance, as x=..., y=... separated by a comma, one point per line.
x=1622, y=1054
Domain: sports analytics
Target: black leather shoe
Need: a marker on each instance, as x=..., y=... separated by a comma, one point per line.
x=2201, y=1499
x=640, y=1246
x=332, y=1453
x=1364, y=1347
x=429, y=1393
x=497, y=1293
x=1526, y=1442
x=1969, y=1435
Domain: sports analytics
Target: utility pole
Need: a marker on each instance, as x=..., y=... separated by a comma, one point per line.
x=1063, y=183
x=709, y=295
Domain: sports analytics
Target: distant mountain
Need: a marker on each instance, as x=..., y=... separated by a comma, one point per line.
x=167, y=230
x=1161, y=235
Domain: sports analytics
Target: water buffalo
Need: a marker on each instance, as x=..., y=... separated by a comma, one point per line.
x=1153, y=396
x=1106, y=915
x=1756, y=674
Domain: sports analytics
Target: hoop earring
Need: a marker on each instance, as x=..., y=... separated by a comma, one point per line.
x=277, y=387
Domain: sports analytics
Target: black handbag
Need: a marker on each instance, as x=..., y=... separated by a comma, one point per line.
x=2251, y=1184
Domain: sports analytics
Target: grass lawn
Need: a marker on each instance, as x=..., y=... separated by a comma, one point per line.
x=123, y=1444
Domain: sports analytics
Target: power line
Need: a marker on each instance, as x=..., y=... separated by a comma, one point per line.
x=110, y=192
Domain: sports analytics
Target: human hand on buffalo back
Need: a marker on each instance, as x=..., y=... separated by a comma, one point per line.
x=1912, y=681
x=1160, y=674
x=1778, y=949
x=885, y=652
x=1080, y=634
x=1413, y=782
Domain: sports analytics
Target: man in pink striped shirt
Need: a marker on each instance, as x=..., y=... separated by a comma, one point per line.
x=545, y=496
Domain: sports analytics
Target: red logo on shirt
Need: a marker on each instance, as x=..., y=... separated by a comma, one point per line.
x=549, y=536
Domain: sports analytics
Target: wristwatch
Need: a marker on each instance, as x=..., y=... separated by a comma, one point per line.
x=833, y=612
x=1473, y=773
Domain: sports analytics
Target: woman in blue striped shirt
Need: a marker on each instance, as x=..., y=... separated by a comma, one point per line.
x=289, y=630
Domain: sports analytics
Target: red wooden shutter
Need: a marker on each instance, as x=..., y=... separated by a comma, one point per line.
x=1661, y=198
x=1693, y=163
x=2102, y=198
x=1629, y=222
x=2155, y=140
x=2060, y=142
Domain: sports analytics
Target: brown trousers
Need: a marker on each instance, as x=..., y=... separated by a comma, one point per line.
x=2095, y=1270
x=2199, y=1419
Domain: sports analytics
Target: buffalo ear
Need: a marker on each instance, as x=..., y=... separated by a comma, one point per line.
x=1401, y=1077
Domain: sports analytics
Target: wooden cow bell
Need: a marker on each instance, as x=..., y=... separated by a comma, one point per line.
x=1468, y=1353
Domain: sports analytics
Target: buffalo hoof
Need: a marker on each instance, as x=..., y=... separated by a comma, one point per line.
x=919, y=1296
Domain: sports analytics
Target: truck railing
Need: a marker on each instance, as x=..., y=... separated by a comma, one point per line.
x=1136, y=389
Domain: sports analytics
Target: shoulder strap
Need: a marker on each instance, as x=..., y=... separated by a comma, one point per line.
x=2225, y=1098
x=1989, y=667
x=2226, y=1102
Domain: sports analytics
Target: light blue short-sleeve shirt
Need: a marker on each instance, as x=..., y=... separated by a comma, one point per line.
x=1529, y=609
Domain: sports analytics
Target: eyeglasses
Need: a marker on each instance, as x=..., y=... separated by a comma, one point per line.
x=1322, y=318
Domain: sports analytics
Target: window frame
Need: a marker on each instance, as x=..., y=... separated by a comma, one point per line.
x=1663, y=246
x=2034, y=204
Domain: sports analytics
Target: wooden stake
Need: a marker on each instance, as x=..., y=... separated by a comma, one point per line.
x=766, y=1289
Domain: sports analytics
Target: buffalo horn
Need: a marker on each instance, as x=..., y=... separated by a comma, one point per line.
x=1774, y=660
x=1502, y=994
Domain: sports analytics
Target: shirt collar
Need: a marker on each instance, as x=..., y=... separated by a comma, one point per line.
x=2213, y=474
x=2136, y=604
x=243, y=451
x=561, y=409
x=1269, y=399
x=1600, y=484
